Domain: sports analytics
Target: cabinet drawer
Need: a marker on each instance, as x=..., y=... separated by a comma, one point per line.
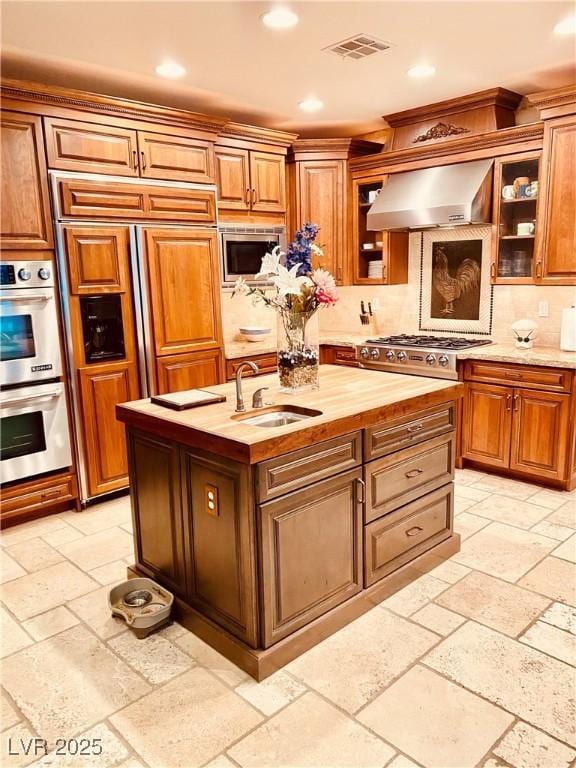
x=401, y=477
x=37, y=495
x=401, y=536
x=552, y=379
x=266, y=364
x=390, y=436
x=299, y=468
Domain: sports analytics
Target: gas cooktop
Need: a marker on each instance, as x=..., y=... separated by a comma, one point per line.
x=430, y=342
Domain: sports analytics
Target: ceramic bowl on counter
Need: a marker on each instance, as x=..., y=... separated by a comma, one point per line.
x=254, y=332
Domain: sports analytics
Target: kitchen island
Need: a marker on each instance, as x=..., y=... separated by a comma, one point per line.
x=274, y=537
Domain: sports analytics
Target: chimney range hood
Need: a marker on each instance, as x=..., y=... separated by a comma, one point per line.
x=442, y=196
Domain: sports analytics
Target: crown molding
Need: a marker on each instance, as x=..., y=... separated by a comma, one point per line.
x=242, y=132
x=554, y=102
x=332, y=149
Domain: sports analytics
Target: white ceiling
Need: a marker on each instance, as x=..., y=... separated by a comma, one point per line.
x=239, y=68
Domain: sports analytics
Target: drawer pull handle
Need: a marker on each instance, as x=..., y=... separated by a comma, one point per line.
x=508, y=401
x=415, y=427
x=513, y=375
x=360, y=484
x=51, y=494
x=413, y=473
x=414, y=531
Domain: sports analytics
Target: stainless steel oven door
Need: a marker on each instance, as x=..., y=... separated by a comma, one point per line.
x=34, y=436
x=29, y=339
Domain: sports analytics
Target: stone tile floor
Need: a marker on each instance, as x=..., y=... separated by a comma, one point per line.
x=471, y=666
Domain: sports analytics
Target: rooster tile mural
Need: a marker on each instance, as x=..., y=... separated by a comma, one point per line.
x=455, y=290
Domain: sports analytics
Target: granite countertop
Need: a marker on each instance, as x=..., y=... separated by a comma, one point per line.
x=235, y=349
x=509, y=353
x=348, y=399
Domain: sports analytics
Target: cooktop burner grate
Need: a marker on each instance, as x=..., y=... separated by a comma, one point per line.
x=430, y=342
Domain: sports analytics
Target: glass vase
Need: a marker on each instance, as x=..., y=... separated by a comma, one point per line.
x=298, y=351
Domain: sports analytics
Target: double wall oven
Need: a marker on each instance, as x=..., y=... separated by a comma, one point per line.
x=34, y=434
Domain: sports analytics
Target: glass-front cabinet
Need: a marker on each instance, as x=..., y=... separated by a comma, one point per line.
x=515, y=218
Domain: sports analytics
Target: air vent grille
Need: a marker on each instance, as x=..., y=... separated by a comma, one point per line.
x=358, y=47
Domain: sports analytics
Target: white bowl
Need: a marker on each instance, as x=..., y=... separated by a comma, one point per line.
x=254, y=332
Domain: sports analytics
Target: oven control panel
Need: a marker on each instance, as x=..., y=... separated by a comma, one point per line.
x=26, y=274
x=436, y=363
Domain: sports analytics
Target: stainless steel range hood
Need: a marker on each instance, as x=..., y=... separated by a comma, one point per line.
x=445, y=195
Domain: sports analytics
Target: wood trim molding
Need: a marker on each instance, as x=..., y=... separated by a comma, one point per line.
x=242, y=132
x=492, y=97
x=110, y=105
x=520, y=134
x=552, y=99
x=332, y=149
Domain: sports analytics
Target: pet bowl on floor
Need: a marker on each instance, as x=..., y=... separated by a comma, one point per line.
x=143, y=604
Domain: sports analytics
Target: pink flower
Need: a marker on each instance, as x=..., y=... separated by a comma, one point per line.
x=325, y=297
x=325, y=292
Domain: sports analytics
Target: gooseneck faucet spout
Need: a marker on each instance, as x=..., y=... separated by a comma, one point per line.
x=240, y=407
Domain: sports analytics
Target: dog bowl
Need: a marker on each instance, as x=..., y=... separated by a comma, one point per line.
x=144, y=605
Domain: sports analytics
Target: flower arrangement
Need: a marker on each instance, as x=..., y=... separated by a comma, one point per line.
x=301, y=289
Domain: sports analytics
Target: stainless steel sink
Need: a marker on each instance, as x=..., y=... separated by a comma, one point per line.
x=277, y=416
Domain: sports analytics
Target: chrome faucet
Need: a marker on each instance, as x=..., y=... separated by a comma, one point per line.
x=257, y=401
x=240, y=407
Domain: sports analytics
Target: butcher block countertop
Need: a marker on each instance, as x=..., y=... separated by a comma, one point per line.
x=349, y=399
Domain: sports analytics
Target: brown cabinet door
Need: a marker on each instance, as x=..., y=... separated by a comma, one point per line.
x=26, y=221
x=98, y=259
x=220, y=515
x=556, y=254
x=194, y=370
x=487, y=419
x=184, y=289
x=175, y=157
x=76, y=146
x=267, y=182
x=101, y=389
x=157, y=510
x=233, y=178
x=311, y=553
x=321, y=199
x=540, y=427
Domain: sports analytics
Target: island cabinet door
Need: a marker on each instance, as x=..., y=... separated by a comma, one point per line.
x=219, y=511
x=157, y=510
x=311, y=553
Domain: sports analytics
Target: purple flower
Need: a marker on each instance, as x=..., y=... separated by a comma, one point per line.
x=300, y=250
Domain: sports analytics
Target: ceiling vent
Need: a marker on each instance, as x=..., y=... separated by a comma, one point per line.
x=358, y=47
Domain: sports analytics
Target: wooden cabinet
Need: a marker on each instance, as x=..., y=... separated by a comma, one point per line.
x=333, y=355
x=519, y=428
x=38, y=497
x=250, y=180
x=157, y=511
x=73, y=145
x=556, y=249
x=184, y=288
x=97, y=259
x=267, y=363
x=311, y=553
x=101, y=389
x=189, y=371
x=25, y=212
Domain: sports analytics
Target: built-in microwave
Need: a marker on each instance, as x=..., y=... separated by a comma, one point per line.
x=243, y=247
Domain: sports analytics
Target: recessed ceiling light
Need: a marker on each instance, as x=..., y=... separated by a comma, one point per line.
x=280, y=18
x=311, y=105
x=422, y=70
x=567, y=26
x=170, y=69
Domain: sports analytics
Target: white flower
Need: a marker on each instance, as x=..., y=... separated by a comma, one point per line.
x=241, y=288
x=270, y=263
x=316, y=250
x=287, y=282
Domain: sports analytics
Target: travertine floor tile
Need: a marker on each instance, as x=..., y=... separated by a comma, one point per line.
x=9, y=568
x=155, y=657
x=101, y=749
x=438, y=619
x=554, y=578
x=550, y=499
x=12, y=636
x=38, y=592
x=558, y=532
x=506, y=487
x=62, y=535
x=471, y=493
x=499, y=605
x=34, y=554
x=450, y=572
x=503, y=509
x=461, y=505
x=220, y=762
x=111, y=573
x=211, y=659
x=504, y=551
x=93, y=609
x=523, y=681
x=526, y=747
x=402, y=762
x=50, y=623
x=468, y=476
x=173, y=631
x=561, y=616
x=8, y=715
x=435, y=721
x=100, y=516
x=467, y=524
x=132, y=762
x=98, y=548
x=271, y=694
x=373, y=650
x=416, y=595
x=310, y=733
x=186, y=722
x=553, y=641
x=567, y=550
x=69, y=682
x=564, y=515
x=13, y=743
x=31, y=530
